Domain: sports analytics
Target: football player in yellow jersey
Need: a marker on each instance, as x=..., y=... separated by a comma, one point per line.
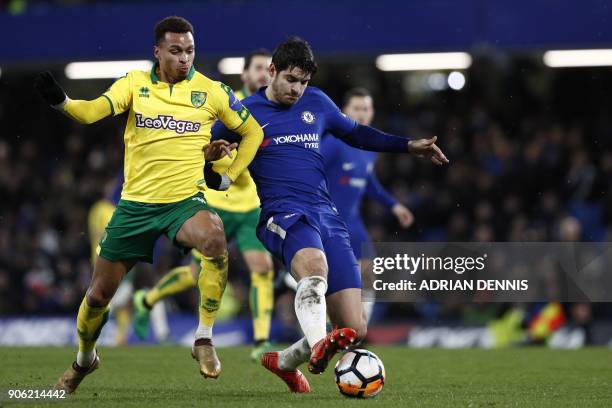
x=98, y=217
x=238, y=208
x=171, y=110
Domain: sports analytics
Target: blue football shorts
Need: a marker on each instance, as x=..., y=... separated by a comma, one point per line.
x=285, y=233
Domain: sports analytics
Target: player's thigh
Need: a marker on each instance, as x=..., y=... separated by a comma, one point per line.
x=303, y=251
x=345, y=310
x=131, y=233
x=344, y=272
x=203, y=231
x=105, y=280
x=308, y=262
x=292, y=239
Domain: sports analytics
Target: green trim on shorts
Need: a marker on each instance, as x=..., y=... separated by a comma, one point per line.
x=135, y=227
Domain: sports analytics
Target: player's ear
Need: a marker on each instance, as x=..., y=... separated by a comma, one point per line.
x=156, y=51
x=272, y=70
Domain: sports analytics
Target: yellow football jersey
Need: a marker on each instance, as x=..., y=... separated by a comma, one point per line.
x=167, y=128
x=242, y=193
x=99, y=215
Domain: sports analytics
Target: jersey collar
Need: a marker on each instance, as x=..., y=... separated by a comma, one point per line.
x=155, y=78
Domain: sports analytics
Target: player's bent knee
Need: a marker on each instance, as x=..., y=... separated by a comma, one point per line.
x=309, y=262
x=97, y=297
x=212, y=243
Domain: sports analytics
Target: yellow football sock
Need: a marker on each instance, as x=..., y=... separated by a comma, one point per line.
x=123, y=323
x=175, y=281
x=211, y=283
x=90, y=321
x=261, y=301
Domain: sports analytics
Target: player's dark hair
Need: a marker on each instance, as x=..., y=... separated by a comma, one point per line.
x=355, y=93
x=171, y=24
x=260, y=52
x=295, y=52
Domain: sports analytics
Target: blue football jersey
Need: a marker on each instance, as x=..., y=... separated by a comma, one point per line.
x=288, y=168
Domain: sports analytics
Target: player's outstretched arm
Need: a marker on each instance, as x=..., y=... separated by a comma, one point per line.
x=368, y=138
x=85, y=112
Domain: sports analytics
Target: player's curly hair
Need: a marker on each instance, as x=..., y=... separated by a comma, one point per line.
x=295, y=52
x=171, y=24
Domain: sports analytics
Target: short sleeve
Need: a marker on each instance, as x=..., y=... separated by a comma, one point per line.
x=119, y=95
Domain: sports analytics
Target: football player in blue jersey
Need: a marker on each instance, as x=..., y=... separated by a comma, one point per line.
x=351, y=177
x=299, y=222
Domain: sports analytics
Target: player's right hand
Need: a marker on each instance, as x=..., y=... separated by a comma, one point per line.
x=49, y=89
x=218, y=149
x=426, y=149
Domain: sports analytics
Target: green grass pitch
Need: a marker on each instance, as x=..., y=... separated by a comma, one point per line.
x=159, y=376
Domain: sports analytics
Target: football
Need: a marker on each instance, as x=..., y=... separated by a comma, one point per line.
x=360, y=374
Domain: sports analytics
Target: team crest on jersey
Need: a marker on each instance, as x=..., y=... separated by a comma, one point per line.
x=198, y=98
x=308, y=117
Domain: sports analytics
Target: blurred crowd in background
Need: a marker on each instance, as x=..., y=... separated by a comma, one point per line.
x=530, y=160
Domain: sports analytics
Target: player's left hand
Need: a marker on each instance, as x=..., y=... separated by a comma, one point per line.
x=426, y=149
x=49, y=89
x=214, y=180
x=218, y=149
x=403, y=214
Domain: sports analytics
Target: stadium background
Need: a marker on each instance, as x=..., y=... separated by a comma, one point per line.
x=530, y=146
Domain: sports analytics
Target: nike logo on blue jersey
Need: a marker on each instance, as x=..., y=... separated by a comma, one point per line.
x=348, y=166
